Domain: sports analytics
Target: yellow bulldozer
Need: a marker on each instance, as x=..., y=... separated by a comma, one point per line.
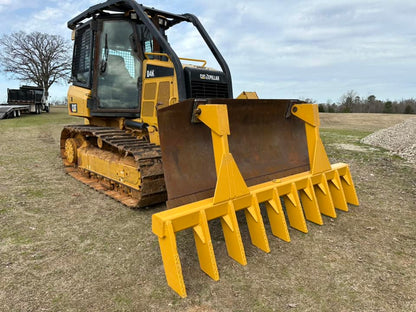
x=158, y=127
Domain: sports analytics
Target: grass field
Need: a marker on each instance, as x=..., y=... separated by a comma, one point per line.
x=65, y=247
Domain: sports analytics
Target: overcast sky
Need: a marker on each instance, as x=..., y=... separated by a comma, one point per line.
x=281, y=49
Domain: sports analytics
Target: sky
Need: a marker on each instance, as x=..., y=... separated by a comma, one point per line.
x=311, y=49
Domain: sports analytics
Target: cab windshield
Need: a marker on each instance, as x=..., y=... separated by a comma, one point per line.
x=119, y=69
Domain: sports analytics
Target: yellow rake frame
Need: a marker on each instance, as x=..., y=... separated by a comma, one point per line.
x=306, y=195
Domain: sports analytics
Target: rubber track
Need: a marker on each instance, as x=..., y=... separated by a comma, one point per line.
x=148, y=158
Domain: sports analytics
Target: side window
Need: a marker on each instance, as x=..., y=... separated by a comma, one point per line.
x=145, y=38
x=148, y=46
x=81, y=63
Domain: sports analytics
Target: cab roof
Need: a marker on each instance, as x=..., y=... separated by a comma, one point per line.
x=122, y=7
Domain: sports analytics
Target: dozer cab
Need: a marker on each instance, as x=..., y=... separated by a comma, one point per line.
x=156, y=129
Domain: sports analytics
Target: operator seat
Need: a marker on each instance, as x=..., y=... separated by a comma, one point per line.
x=117, y=89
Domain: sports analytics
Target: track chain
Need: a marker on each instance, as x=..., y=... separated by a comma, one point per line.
x=149, y=164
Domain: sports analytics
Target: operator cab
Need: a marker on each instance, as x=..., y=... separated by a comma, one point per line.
x=121, y=54
x=118, y=55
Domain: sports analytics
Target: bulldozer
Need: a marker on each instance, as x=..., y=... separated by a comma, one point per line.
x=158, y=127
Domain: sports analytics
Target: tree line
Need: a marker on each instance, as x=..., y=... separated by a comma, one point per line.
x=351, y=102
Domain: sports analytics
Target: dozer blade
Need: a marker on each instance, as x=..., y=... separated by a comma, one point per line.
x=265, y=144
x=221, y=156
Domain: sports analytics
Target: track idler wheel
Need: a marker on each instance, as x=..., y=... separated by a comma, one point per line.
x=71, y=146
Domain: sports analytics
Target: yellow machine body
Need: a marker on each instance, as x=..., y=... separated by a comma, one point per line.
x=141, y=104
x=77, y=101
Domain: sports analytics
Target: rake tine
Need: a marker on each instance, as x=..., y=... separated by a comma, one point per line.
x=325, y=203
x=348, y=185
x=171, y=261
x=294, y=210
x=337, y=193
x=256, y=226
x=232, y=235
x=204, y=247
x=276, y=217
x=310, y=203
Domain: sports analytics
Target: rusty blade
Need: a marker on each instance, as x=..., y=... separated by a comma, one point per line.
x=265, y=143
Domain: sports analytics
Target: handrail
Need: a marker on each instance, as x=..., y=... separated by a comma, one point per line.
x=194, y=60
x=146, y=55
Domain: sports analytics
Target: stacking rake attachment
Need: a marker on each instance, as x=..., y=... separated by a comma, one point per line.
x=306, y=196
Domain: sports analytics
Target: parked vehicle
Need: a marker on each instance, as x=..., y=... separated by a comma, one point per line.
x=26, y=99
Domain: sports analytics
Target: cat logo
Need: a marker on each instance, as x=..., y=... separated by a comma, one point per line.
x=74, y=108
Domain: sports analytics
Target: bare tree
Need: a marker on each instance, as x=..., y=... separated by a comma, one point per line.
x=37, y=57
x=371, y=100
x=347, y=101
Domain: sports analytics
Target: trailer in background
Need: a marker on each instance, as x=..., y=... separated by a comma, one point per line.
x=12, y=111
x=26, y=99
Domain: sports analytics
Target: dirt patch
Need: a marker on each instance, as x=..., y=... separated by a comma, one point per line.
x=352, y=147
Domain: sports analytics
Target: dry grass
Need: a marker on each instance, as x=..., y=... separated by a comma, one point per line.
x=361, y=122
x=65, y=247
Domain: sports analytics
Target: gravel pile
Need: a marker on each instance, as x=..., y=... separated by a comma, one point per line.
x=400, y=139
